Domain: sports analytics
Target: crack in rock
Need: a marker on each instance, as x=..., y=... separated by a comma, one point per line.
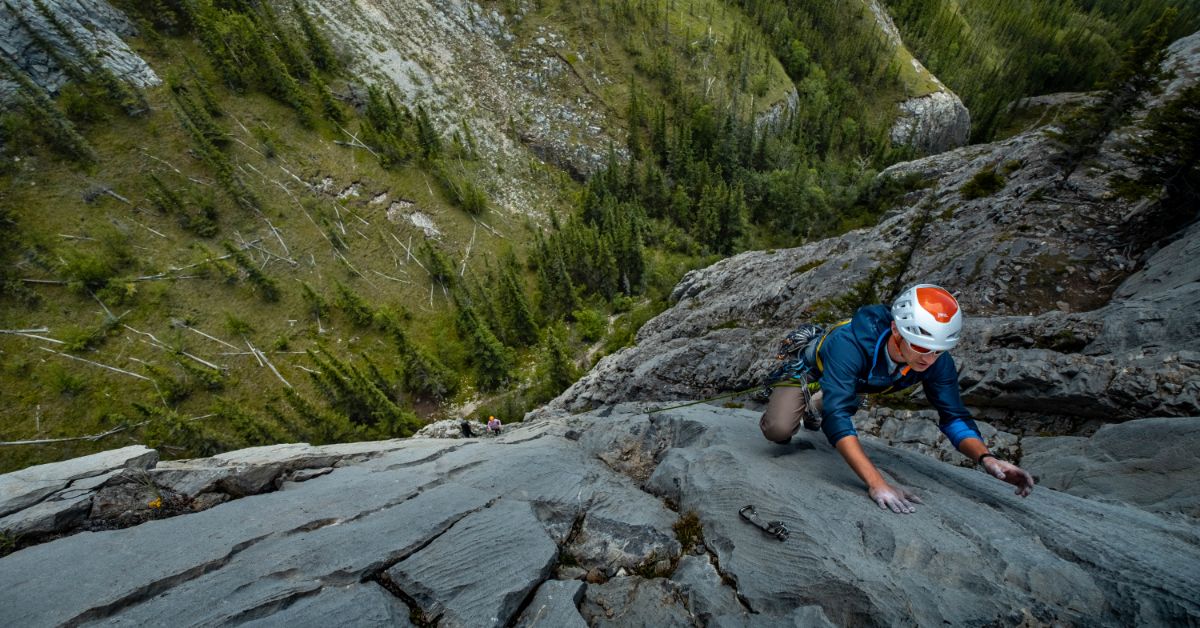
x=162, y=585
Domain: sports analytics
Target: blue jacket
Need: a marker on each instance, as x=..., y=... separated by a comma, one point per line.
x=854, y=362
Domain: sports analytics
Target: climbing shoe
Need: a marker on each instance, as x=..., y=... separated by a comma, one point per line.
x=811, y=413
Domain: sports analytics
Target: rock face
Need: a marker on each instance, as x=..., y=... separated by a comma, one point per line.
x=94, y=23
x=1075, y=315
x=502, y=531
x=464, y=63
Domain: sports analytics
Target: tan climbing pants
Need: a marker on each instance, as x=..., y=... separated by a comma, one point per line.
x=785, y=413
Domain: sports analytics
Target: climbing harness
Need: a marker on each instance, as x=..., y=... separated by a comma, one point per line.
x=774, y=528
x=798, y=356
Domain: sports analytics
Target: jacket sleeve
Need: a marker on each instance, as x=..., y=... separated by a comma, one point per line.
x=839, y=381
x=941, y=389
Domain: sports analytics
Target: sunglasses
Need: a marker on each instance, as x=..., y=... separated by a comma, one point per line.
x=922, y=350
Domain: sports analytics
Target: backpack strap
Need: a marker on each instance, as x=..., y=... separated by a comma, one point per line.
x=817, y=351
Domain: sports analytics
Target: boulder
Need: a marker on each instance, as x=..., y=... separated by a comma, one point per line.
x=932, y=123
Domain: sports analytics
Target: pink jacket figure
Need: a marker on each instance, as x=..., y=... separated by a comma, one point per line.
x=493, y=425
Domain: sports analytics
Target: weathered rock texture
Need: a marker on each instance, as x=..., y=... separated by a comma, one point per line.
x=94, y=23
x=1078, y=312
x=932, y=123
x=503, y=531
x=1150, y=463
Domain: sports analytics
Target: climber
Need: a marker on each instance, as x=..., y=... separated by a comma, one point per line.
x=493, y=426
x=878, y=351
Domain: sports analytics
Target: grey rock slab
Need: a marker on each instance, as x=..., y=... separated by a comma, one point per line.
x=1159, y=305
x=293, y=565
x=468, y=532
x=258, y=469
x=972, y=554
x=636, y=601
x=707, y=596
x=359, y=604
x=1150, y=463
x=47, y=516
x=158, y=555
x=624, y=526
x=555, y=605
x=21, y=489
x=479, y=571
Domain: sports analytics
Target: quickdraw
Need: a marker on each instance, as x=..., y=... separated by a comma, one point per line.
x=774, y=528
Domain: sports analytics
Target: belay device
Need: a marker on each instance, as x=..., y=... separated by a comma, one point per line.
x=774, y=528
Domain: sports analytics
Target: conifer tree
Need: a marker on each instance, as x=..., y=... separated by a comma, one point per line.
x=252, y=431
x=319, y=50
x=560, y=370
x=1168, y=155
x=360, y=396
x=731, y=220
x=264, y=286
x=1138, y=73
x=421, y=373
x=48, y=120
x=358, y=310
x=441, y=271
x=322, y=426
x=427, y=135
x=519, y=316
x=492, y=361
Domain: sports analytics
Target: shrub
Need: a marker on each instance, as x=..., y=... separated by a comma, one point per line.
x=462, y=189
x=590, y=324
x=986, y=182
x=354, y=306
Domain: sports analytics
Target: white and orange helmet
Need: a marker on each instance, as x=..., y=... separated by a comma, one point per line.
x=928, y=316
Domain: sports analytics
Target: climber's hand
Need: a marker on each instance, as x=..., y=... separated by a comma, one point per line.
x=898, y=498
x=1011, y=473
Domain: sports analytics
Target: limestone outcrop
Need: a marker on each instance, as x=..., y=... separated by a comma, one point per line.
x=94, y=23
x=1149, y=463
x=613, y=519
x=931, y=121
